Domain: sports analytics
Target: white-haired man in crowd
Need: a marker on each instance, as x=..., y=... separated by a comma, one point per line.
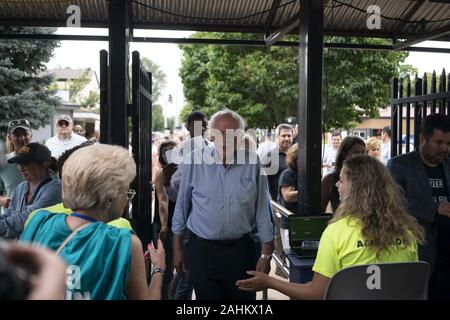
x=222, y=201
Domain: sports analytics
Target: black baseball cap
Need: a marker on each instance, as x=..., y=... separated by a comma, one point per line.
x=32, y=152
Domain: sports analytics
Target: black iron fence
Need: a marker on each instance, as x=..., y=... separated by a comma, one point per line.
x=408, y=107
x=139, y=112
x=141, y=119
x=104, y=114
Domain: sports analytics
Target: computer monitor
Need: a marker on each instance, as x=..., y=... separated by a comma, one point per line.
x=306, y=228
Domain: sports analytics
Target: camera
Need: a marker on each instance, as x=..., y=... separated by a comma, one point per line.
x=14, y=281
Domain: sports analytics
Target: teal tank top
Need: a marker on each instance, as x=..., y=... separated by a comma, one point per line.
x=98, y=257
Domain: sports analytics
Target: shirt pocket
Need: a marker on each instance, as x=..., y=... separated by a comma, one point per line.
x=247, y=189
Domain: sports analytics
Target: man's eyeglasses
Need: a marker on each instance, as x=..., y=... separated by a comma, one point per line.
x=20, y=122
x=130, y=194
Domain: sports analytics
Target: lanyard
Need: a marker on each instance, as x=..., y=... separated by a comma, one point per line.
x=84, y=217
x=74, y=232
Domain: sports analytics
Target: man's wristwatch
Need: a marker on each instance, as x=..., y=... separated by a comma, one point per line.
x=266, y=257
x=156, y=270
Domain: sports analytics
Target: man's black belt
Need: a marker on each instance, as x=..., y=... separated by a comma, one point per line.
x=223, y=243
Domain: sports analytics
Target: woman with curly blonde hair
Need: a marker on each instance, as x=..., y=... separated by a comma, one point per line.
x=370, y=226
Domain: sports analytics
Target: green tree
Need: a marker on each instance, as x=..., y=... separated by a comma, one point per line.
x=171, y=123
x=157, y=118
x=76, y=85
x=158, y=77
x=24, y=91
x=261, y=83
x=158, y=84
x=357, y=82
x=91, y=101
x=185, y=111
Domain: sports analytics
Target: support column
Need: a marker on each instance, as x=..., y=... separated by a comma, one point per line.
x=118, y=72
x=310, y=107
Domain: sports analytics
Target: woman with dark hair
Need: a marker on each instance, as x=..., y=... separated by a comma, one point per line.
x=350, y=146
x=166, y=208
x=40, y=188
x=288, y=192
x=372, y=214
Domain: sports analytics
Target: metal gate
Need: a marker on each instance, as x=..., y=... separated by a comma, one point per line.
x=141, y=121
x=139, y=114
x=419, y=105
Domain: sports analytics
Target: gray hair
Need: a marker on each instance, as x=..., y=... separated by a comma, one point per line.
x=283, y=126
x=227, y=112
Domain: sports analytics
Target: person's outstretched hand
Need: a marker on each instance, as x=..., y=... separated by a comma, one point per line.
x=257, y=283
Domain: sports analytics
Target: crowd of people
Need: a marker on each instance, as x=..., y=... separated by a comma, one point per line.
x=217, y=227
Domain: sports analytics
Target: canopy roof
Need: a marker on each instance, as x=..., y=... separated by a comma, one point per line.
x=400, y=18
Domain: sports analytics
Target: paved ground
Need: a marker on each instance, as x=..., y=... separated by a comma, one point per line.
x=272, y=294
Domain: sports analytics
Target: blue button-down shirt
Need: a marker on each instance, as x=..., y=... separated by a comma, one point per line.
x=219, y=203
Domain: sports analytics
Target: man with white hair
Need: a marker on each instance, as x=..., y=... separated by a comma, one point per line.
x=222, y=199
x=65, y=139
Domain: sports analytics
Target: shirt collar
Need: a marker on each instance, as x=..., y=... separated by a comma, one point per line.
x=68, y=138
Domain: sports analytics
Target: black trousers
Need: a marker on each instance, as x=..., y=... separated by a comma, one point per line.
x=215, y=267
x=168, y=274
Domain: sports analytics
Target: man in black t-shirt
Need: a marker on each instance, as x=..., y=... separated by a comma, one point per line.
x=424, y=175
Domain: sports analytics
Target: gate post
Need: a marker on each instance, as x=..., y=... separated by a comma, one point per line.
x=310, y=107
x=119, y=33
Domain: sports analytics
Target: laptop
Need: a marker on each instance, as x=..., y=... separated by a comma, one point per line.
x=305, y=233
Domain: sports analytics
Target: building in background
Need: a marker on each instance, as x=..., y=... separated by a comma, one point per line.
x=79, y=92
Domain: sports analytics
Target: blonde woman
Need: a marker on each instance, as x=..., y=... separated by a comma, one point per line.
x=104, y=262
x=371, y=225
x=373, y=148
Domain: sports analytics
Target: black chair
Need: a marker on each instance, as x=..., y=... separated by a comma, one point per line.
x=382, y=281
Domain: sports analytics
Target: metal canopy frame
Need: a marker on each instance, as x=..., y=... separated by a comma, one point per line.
x=354, y=46
x=426, y=36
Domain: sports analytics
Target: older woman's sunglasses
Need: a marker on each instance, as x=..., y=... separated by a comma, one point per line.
x=20, y=122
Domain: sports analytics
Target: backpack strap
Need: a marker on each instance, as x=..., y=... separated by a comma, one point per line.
x=66, y=241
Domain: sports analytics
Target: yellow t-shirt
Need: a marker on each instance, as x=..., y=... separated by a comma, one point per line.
x=342, y=246
x=59, y=208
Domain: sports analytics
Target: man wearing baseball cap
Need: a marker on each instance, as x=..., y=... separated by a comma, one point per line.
x=40, y=188
x=65, y=139
x=19, y=134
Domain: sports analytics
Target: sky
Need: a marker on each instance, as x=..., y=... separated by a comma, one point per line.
x=85, y=54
